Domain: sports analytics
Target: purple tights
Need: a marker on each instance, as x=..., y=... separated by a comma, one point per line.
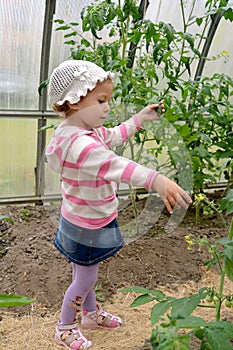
x=81, y=288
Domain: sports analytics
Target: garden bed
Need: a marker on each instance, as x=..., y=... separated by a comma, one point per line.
x=32, y=267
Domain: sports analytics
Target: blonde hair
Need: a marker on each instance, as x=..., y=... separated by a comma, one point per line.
x=63, y=109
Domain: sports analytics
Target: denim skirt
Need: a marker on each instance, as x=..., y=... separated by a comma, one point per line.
x=88, y=246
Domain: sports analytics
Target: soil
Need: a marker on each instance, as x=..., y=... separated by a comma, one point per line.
x=156, y=256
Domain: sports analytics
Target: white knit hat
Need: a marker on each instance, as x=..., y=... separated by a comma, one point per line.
x=72, y=79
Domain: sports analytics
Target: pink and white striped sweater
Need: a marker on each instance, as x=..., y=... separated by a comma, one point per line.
x=89, y=170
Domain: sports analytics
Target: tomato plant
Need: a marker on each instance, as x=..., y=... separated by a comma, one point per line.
x=152, y=62
x=214, y=334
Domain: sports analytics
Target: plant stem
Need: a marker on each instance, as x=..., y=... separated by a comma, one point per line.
x=230, y=235
x=198, y=215
x=222, y=269
x=221, y=285
x=212, y=206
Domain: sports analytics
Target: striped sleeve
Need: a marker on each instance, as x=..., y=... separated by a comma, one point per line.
x=119, y=134
x=97, y=161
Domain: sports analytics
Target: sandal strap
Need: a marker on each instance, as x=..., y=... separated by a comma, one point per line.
x=71, y=338
x=104, y=318
x=67, y=327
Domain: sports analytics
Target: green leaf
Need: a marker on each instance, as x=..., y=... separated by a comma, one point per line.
x=166, y=55
x=228, y=250
x=135, y=289
x=207, y=91
x=6, y=218
x=158, y=295
x=201, y=99
x=203, y=153
x=184, y=130
x=7, y=300
x=166, y=338
x=203, y=110
x=46, y=127
x=70, y=34
x=217, y=339
x=43, y=86
x=227, y=326
x=183, y=307
x=198, y=53
x=168, y=31
x=199, y=333
x=189, y=38
x=141, y=300
x=65, y=27
x=158, y=310
x=70, y=42
x=229, y=14
x=74, y=23
x=211, y=263
x=85, y=42
x=172, y=86
x=229, y=269
x=151, y=33
x=231, y=230
x=206, y=139
x=227, y=203
x=199, y=21
x=191, y=322
x=112, y=32
x=60, y=21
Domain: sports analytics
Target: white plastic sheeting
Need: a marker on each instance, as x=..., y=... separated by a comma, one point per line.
x=21, y=26
x=170, y=11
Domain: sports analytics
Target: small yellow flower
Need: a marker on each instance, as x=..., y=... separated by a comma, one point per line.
x=223, y=54
x=199, y=197
x=189, y=240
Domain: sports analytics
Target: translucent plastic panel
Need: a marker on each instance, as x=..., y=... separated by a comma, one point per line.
x=221, y=51
x=17, y=157
x=69, y=11
x=170, y=11
x=21, y=28
x=52, y=183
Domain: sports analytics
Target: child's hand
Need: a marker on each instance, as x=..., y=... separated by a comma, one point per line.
x=172, y=194
x=149, y=113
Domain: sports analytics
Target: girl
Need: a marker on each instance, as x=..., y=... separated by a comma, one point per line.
x=88, y=232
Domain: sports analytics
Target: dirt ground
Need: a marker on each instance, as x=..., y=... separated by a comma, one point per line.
x=154, y=258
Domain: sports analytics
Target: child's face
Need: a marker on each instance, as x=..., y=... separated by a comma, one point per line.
x=93, y=109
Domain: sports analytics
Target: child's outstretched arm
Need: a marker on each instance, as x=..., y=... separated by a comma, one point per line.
x=117, y=135
x=172, y=194
x=150, y=113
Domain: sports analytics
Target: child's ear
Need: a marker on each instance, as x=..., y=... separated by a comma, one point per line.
x=73, y=106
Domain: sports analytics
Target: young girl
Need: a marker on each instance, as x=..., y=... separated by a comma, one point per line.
x=79, y=152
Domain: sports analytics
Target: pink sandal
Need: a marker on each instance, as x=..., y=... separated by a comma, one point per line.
x=99, y=319
x=70, y=337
